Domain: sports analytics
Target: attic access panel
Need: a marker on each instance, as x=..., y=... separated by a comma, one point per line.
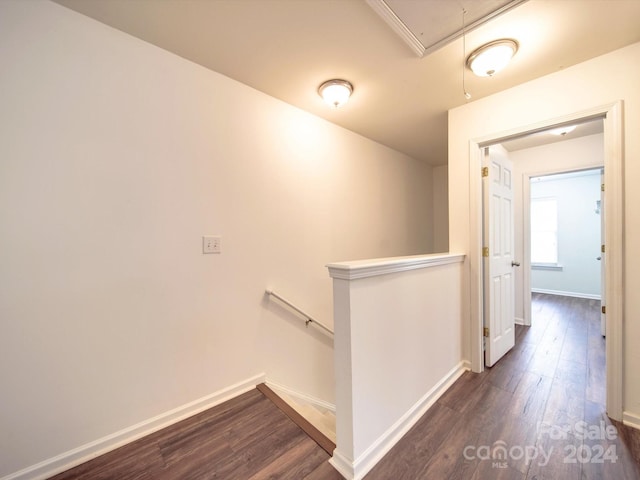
x=428, y=25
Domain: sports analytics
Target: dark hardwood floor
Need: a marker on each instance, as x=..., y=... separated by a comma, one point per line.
x=247, y=438
x=543, y=404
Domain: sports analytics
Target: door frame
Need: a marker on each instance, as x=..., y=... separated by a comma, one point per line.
x=614, y=215
x=526, y=230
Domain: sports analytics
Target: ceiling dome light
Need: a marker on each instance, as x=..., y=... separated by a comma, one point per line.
x=492, y=57
x=562, y=130
x=335, y=92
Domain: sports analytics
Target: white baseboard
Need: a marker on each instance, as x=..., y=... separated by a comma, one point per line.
x=358, y=468
x=631, y=420
x=302, y=398
x=77, y=456
x=519, y=321
x=342, y=464
x=589, y=296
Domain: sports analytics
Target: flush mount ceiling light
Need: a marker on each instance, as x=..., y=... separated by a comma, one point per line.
x=492, y=57
x=335, y=92
x=562, y=130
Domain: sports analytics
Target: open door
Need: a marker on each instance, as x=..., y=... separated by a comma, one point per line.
x=601, y=257
x=499, y=283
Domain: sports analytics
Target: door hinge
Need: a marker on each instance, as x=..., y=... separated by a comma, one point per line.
x=602, y=187
x=485, y=171
x=604, y=310
x=485, y=251
x=602, y=248
x=485, y=331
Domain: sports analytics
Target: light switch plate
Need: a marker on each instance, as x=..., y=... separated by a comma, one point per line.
x=211, y=244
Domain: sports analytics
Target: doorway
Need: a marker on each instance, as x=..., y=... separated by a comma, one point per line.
x=563, y=234
x=613, y=212
x=562, y=172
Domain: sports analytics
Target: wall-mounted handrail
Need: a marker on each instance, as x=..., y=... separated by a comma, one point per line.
x=309, y=318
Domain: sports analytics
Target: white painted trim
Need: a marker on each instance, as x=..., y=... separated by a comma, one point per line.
x=476, y=242
x=397, y=25
x=553, y=268
x=357, y=469
x=614, y=256
x=471, y=27
x=301, y=397
x=84, y=453
x=614, y=213
x=342, y=464
x=383, y=266
x=589, y=296
x=519, y=321
x=526, y=251
x=631, y=420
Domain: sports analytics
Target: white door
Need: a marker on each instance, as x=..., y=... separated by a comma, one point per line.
x=499, y=309
x=603, y=318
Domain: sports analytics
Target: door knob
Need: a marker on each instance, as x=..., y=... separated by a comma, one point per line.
x=598, y=258
x=515, y=264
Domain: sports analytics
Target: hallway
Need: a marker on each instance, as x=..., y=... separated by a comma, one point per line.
x=543, y=403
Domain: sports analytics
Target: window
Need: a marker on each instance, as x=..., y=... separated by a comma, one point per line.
x=544, y=231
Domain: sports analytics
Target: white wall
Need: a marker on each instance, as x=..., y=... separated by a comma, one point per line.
x=573, y=154
x=578, y=235
x=398, y=347
x=591, y=84
x=440, y=209
x=115, y=158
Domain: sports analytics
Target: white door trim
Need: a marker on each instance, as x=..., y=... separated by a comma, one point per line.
x=614, y=213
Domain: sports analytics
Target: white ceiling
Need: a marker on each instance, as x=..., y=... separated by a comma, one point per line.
x=286, y=48
x=545, y=137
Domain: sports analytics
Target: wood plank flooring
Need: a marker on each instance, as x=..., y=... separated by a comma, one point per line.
x=543, y=403
x=308, y=428
x=539, y=400
x=247, y=438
